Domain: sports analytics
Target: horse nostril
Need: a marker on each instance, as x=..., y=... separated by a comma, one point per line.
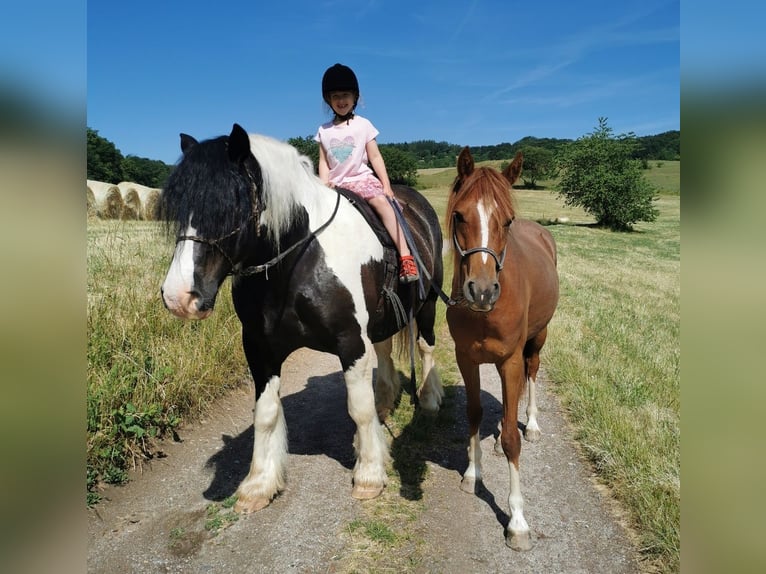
x=471, y=289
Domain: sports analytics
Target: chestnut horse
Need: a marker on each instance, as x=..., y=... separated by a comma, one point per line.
x=506, y=285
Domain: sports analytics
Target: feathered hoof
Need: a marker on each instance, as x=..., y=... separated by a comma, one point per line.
x=366, y=492
x=248, y=505
x=532, y=435
x=519, y=541
x=469, y=485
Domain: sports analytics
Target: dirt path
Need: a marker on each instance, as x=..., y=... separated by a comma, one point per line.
x=157, y=522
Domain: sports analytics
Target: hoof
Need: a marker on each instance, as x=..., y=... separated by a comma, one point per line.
x=248, y=505
x=362, y=492
x=469, y=485
x=532, y=435
x=519, y=541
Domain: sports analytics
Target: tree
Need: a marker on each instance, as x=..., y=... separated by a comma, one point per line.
x=400, y=166
x=598, y=174
x=308, y=146
x=539, y=163
x=148, y=172
x=104, y=159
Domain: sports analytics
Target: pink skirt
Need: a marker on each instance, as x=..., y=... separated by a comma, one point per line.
x=366, y=188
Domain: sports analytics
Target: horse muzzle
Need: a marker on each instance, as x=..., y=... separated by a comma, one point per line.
x=481, y=295
x=187, y=305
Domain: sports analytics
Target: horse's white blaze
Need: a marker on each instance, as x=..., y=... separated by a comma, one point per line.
x=516, y=502
x=267, y=470
x=179, y=281
x=484, y=214
x=369, y=441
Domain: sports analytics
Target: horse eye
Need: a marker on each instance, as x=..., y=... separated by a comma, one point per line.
x=508, y=223
x=458, y=217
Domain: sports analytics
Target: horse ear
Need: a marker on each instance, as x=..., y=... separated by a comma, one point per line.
x=513, y=170
x=187, y=142
x=464, y=163
x=239, y=143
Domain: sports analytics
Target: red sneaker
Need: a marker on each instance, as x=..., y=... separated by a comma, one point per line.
x=408, y=271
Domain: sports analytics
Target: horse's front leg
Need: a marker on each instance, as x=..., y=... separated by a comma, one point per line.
x=470, y=372
x=369, y=442
x=512, y=378
x=267, y=469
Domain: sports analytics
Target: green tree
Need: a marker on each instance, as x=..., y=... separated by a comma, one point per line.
x=598, y=174
x=104, y=159
x=400, y=165
x=539, y=163
x=148, y=172
x=308, y=146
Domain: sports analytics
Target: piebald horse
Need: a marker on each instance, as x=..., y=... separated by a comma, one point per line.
x=506, y=283
x=307, y=271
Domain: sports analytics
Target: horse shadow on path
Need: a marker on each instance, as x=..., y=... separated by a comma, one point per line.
x=318, y=423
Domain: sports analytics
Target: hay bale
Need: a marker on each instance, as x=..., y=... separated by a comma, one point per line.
x=149, y=198
x=151, y=205
x=131, y=208
x=109, y=203
x=90, y=200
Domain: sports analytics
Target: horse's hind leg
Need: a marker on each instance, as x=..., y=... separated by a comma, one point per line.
x=431, y=391
x=532, y=365
x=387, y=385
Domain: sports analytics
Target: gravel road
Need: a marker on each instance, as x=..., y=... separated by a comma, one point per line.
x=156, y=523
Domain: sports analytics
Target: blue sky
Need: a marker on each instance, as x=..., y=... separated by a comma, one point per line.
x=466, y=72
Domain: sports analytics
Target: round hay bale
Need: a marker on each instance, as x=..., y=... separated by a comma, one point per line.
x=148, y=196
x=131, y=208
x=151, y=205
x=109, y=203
x=90, y=200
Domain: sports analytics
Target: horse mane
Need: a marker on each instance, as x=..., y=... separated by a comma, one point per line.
x=485, y=184
x=204, y=182
x=289, y=183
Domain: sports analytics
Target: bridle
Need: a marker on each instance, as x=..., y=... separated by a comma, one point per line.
x=499, y=259
x=263, y=267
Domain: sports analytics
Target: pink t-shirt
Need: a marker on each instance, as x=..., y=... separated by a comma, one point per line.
x=345, y=146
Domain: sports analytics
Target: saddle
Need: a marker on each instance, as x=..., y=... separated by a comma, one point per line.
x=389, y=299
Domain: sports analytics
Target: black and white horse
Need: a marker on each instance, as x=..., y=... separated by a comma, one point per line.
x=307, y=271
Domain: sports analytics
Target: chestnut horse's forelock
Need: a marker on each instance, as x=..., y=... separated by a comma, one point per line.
x=484, y=184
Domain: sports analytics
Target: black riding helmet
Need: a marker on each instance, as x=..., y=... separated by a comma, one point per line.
x=339, y=78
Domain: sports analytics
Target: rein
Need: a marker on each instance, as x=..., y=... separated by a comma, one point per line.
x=263, y=267
x=449, y=301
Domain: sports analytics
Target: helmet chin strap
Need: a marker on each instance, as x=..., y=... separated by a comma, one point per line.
x=345, y=117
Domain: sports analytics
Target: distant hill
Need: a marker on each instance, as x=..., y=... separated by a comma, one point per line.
x=429, y=153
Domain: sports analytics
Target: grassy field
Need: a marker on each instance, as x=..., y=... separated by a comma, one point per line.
x=612, y=355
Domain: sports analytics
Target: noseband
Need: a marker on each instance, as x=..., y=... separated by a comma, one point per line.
x=499, y=259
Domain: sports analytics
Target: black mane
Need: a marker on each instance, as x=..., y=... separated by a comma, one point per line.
x=216, y=192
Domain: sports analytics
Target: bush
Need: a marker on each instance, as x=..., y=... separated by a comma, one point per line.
x=598, y=174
